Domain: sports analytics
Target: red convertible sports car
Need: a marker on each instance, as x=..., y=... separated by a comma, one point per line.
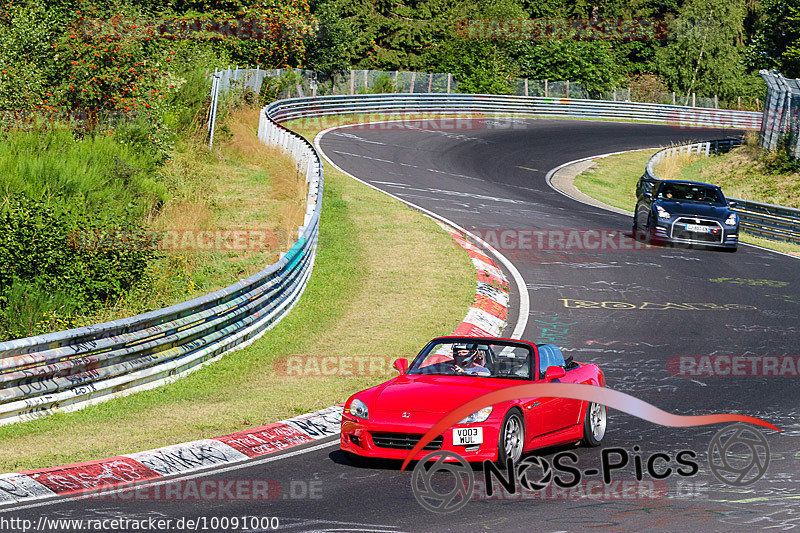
x=386, y=421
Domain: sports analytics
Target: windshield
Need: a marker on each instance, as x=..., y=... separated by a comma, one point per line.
x=685, y=192
x=497, y=360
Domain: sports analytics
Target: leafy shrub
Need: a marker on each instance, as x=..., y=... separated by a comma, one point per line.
x=64, y=259
x=100, y=173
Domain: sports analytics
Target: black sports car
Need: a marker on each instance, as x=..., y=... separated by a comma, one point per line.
x=685, y=212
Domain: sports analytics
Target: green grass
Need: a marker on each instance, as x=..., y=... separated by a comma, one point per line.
x=97, y=172
x=386, y=280
x=742, y=173
x=240, y=185
x=613, y=179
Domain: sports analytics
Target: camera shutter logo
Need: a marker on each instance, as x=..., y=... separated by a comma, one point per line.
x=738, y=455
x=524, y=469
x=458, y=489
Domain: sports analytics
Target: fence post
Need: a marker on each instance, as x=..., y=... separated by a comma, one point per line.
x=545, y=87
x=366, y=84
x=450, y=76
x=214, y=102
x=673, y=97
x=214, y=81
x=413, y=79
x=694, y=100
x=526, y=86
x=716, y=102
x=430, y=82
x=352, y=81
x=738, y=102
x=567, y=95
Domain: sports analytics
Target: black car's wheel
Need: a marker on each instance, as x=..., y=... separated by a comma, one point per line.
x=640, y=233
x=594, y=424
x=512, y=438
x=651, y=230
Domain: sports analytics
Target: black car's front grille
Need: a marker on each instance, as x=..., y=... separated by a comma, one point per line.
x=403, y=441
x=714, y=235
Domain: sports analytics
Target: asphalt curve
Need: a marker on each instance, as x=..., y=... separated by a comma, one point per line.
x=629, y=310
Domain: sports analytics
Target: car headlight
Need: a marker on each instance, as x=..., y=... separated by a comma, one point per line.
x=359, y=409
x=662, y=213
x=478, y=416
x=732, y=220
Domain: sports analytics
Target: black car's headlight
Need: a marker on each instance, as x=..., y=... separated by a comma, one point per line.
x=732, y=220
x=359, y=409
x=662, y=213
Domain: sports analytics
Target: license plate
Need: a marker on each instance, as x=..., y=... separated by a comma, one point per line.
x=467, y=436
x=697, y=228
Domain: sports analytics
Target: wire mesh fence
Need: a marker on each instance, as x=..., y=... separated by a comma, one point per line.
x=288, y=83
x=276, y=84
x=781, y=120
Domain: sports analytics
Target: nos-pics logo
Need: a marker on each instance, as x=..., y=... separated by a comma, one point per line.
x=738, y=455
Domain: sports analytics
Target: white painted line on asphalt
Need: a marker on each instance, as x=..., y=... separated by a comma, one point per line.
x=524, y=299
x=549, y=177
x=452, y=174
x=363, y=157
x=453, y=193
x=357, y=138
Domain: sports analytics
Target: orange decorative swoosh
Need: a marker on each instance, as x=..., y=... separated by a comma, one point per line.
x=590, y=393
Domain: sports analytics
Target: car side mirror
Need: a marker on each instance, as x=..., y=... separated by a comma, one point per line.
x=554, y=372
x=648, y=195
x=731, y=203
x=401, y=365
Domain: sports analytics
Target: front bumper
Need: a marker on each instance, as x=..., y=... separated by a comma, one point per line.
x=674, y=231
x=391, y=440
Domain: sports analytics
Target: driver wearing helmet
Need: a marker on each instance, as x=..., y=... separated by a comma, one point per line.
x=469, y=359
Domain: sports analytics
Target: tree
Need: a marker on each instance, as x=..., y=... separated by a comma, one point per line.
x=705, y=54
x=776, y=43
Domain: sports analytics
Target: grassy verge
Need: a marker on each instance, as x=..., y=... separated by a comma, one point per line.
x=742, y=173
x=613, y=180
x=241, y=185
x=386, y=280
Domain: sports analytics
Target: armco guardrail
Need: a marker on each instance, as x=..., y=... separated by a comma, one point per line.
x=68, y=370
x=774, y=222
x=71, y=369
x=399, y=103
